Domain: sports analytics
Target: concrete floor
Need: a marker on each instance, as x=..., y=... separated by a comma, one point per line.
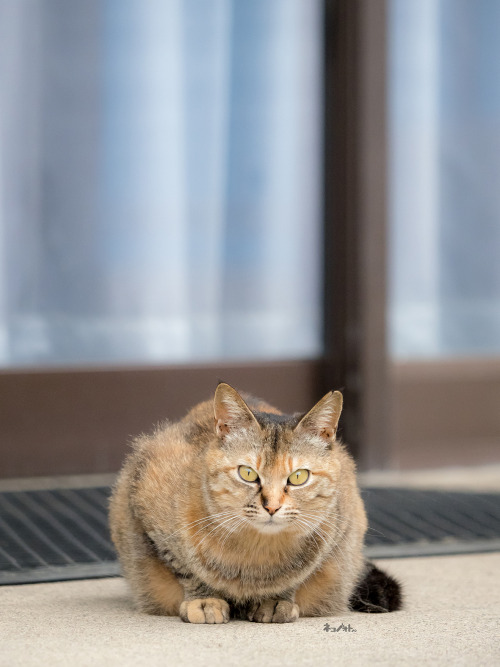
x=451, y=617
x=451, y=614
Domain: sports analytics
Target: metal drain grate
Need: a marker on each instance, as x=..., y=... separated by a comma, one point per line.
x=55, y=535
x=63, y=534
x=408, y=522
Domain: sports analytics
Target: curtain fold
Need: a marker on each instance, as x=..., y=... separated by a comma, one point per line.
x=159, y=180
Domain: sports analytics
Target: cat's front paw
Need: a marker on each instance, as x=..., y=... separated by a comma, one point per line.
x=204, y=610
x=273, y=611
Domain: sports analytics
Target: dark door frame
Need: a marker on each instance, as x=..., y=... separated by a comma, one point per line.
x=355, y=213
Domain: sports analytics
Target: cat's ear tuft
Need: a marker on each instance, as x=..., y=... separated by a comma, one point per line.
x=230, y=411
x=324, y=417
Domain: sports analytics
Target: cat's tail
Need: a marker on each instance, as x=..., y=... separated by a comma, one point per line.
x=376, y=592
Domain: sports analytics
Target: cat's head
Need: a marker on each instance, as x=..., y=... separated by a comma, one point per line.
x=278, y=472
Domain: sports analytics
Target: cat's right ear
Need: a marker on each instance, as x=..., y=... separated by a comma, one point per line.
x=230, y=411
x=324, y=417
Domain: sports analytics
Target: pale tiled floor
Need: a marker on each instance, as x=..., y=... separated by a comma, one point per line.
x=451, y=617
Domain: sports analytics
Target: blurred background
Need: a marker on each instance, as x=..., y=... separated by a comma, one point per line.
x=291, y=196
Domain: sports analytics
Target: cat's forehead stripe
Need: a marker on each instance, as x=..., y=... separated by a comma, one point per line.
x=271, y=419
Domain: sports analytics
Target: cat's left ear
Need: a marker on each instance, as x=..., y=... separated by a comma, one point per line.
x=323, y=419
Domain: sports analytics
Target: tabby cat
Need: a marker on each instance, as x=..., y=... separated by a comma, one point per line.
x=241, y=511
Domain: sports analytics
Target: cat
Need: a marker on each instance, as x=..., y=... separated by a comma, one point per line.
x=240, y=511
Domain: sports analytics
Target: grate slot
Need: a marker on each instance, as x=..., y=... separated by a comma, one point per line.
x=83, y=506
x=431, y=507
x=7, y=561
x=482, y=511
x=34, y=538
x=71, y=546
x=391, y=528
x=425, y=508
x=77, y=522
x=98, y=496
x=413, y=522
x=383, y=508
x=491, y=505
x=474, y=523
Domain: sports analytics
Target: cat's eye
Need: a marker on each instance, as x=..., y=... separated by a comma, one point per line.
x=299, y=477
x=248, y=474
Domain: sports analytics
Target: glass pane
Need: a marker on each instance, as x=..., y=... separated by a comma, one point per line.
x=159, y=180
x=444, y=105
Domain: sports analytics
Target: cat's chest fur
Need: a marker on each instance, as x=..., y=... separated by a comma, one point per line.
x=244, y=566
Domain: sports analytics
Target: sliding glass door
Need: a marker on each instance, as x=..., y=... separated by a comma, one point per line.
x=160, y=217
x=444, y=305
x=161, y=181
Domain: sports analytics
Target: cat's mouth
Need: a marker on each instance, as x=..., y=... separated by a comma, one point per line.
x=270, y=525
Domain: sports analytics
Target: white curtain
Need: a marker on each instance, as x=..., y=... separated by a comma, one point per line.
x=159, y=180
x=445, y=177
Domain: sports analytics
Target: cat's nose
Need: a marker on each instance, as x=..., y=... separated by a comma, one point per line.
x=271, y=507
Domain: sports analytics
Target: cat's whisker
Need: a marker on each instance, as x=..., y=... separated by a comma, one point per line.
x=334, y=547
x=332, y=530
x=217, y=523
x=213, y=521
x=340, y=544
x=215, y=518
x=226, y=530
x=374, y=530
x=206, y=526
x=199, y=521
x=207, y=518
x=319, y=522
x=327, y=527
x=312, y=535
x=217, y=527
x=321, y=531
x=191, y=524
x=323, y=520
x=339, y=538
x=327, y=515
x=232, y=530
x=313, y=530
